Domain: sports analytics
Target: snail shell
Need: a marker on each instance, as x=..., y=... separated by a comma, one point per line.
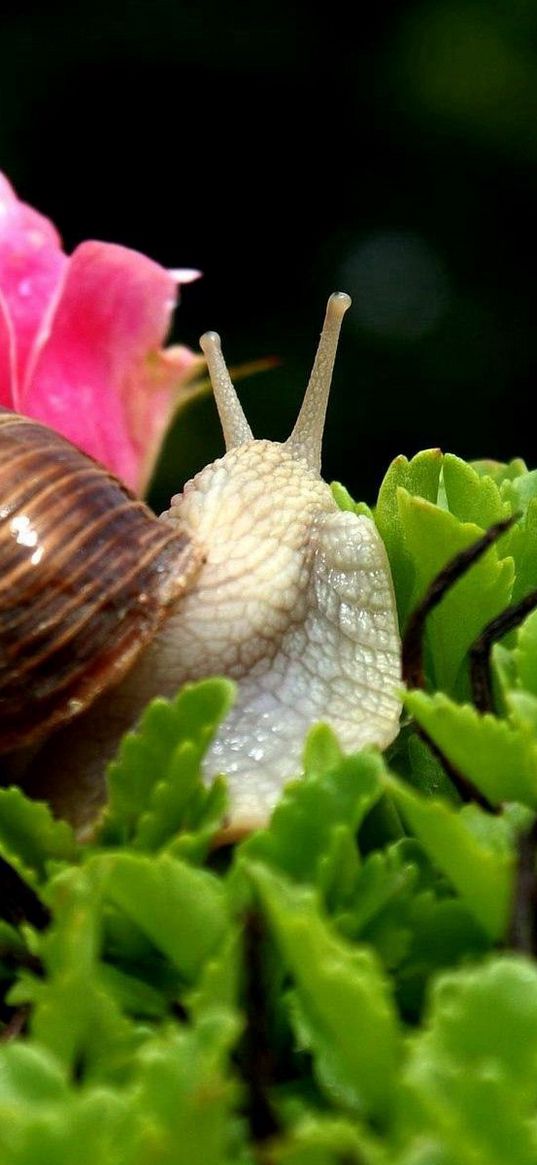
x=88, y=574
x=253, y=573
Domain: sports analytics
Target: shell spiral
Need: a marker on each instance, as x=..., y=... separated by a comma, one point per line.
x=87, y=574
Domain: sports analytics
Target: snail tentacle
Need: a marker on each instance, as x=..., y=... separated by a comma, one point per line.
x=235, y=427
x=307, y=436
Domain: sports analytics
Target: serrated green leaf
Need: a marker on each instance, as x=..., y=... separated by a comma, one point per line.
x=30, y=1074
x=504, y=672
x=342, y=1008
x=522, y=708
x=344, y=500
x=30, y=837
x=217, y=985
x=443, y=933
x=378, y=911
x=500, y=471
x=315, y=811
x=43, y=1122
x=184, y=1093
x=88, y=1128
x=497, y=757
x=419, y=477
x=466, y=1120
x=183, y=814
x=10, y=940
x=471, y=497
x=515, y=672
x=433, y=536
x=412, y=758
x=325, y=1140
x=155, y=785
x=400, y=908
x=521, y=543
x=521, y=489
x=472, y=848
x=525, y=654
x=74, y=1016
x=469, y=1084
x=489, y=1014
x=176, y=1110
x=133, y=995
x=181, y=910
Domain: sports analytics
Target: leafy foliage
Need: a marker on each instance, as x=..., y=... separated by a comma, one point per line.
x=335, y=989
x=155, y=794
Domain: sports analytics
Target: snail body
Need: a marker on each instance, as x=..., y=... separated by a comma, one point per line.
x=253, y=573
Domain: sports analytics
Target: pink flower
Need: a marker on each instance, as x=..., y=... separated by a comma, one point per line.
x=80, y=340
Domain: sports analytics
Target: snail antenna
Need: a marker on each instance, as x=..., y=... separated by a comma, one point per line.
x=307, y=436
x=234, y=424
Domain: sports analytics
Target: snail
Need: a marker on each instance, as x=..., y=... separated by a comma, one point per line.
x=253, y=573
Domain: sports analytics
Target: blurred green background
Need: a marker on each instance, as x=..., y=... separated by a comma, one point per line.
x=287, y=155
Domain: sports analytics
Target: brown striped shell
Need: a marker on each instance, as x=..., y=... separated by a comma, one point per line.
x=87, y=574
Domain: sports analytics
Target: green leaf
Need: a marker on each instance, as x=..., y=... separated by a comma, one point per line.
x=433, y=536
x=322, y=751
x=469, y=1085
x=327, y=1140
x=472, y=497
x=521, y=490
x=30, y=837
x=181, y=910
x=500, y=471
x=400, y=907
x=344, y=500
x=88, y=1128
x=133, y=995
x=498, y=758
x=472, y=848
x=176, y=1110
x=74, y=1016
x=419, y=477
x=521, y=544
x=155, y=786
x=490, y=1014
x=184, y=1096
x=333, y=797
x=217, y=985
x=378, y=912
x=412, y=758
x=29, y=1074
x=387, y=876
x=342, y=1010
x=10, y=940
x=525, y=654
x=515, y=670
x=443, y=933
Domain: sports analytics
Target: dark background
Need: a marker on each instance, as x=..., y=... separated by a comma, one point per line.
x=287, y=155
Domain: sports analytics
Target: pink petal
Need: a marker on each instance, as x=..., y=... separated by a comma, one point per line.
x=31, y=266
x=7, y=356
x=99, y=377
x=151, y=404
